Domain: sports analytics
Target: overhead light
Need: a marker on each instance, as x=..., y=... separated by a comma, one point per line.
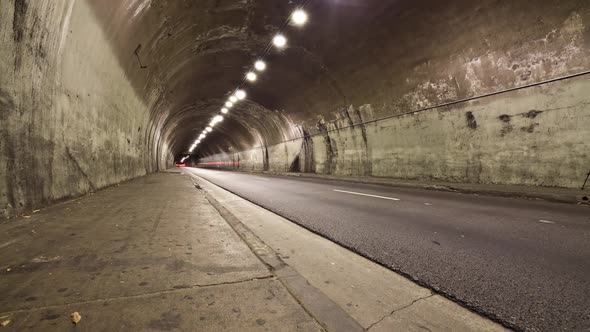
x=241, y=94
x=204, y=132
x=198, y=141
x=209, y=129
x=224, y=110
x=229, y=104
x=212, y=123
x=251, y=77
x=280, y=41
x=233, y=99
x=190, y=150
x=260, y=65
x=218, y=118
x=202, y=136
x=299, y=17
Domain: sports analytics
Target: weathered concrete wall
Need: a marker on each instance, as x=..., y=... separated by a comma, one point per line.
x=70, y=122
x=536, y=136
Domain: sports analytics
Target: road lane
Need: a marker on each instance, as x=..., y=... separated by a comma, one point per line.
x=494, y=254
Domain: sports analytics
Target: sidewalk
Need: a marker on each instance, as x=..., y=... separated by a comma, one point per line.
x=151, y=254
x=172, y=252
x=560, y=195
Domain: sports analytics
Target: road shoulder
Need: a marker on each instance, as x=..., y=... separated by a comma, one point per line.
x=375, y=297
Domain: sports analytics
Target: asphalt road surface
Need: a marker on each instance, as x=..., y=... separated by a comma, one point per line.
x=523, y=262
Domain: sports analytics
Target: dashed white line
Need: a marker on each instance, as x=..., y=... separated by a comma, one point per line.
x=368, y=195
x=262, y=178
x=547, y=221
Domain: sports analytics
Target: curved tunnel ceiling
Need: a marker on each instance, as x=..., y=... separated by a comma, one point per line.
x=351, y=52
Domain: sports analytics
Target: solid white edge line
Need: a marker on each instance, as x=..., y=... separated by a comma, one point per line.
x=368, y=195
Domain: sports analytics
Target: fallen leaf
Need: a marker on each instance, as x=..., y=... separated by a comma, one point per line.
x=76, y=317
x=5, y=322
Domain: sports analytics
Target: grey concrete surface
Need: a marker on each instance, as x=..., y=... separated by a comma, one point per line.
x=520, y=261
x=369, y=292
x=151, y=254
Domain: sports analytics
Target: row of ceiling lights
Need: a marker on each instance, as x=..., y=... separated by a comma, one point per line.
x=298, y=17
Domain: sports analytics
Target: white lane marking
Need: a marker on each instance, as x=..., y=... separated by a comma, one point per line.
x=427, y=204
x=547, y=221
x=262, y=178
x=369, y=195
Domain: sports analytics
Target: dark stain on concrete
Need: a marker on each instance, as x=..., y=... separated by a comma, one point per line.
x=18, y=29
x=31, y=298
x=471, y=122
x=307, y=150
x=532, y=114
x=260, y=321
x=295, y=165
x=61, y=290
x=143, y=283
x=168, y=321
x=266, y=162
x=506, y=129
x=331, y=150
x=368, y=169
x=18, y=19
x=506, y=126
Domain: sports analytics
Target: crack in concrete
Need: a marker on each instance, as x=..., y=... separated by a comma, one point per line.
x=398, y=310
x=167, y=291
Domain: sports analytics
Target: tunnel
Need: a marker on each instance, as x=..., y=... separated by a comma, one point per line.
x=477, y=100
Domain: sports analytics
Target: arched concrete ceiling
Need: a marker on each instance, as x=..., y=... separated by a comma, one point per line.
x=351, y=52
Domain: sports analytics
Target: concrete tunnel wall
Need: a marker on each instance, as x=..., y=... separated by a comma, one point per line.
x=534, y=136
x=95, y=92
x=70, y=121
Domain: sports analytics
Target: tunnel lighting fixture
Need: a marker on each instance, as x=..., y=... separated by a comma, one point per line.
x=224, y=110
x=299, y=17
x=209, y=129
x=201, y=136
x=251, y=77
x=279, y=41
x=260, y=65
x=229, y=104
x=241, y=94
x=233, y=99
x=197, y=141
x=218, y=118
x=191, y=149
x=212, y=123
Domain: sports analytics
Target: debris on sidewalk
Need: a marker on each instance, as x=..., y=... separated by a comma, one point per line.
x=76, y=317
x=5, y=322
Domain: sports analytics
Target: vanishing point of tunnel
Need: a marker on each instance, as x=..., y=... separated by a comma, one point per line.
x=294, y=165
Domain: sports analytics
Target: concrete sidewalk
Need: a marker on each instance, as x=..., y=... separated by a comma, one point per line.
x=151, y=254
x=171, y=252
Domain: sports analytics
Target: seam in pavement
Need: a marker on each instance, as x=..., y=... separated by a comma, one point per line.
x=297, y=286
x=435, y=290
x=400, y=309
x=167, y=291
